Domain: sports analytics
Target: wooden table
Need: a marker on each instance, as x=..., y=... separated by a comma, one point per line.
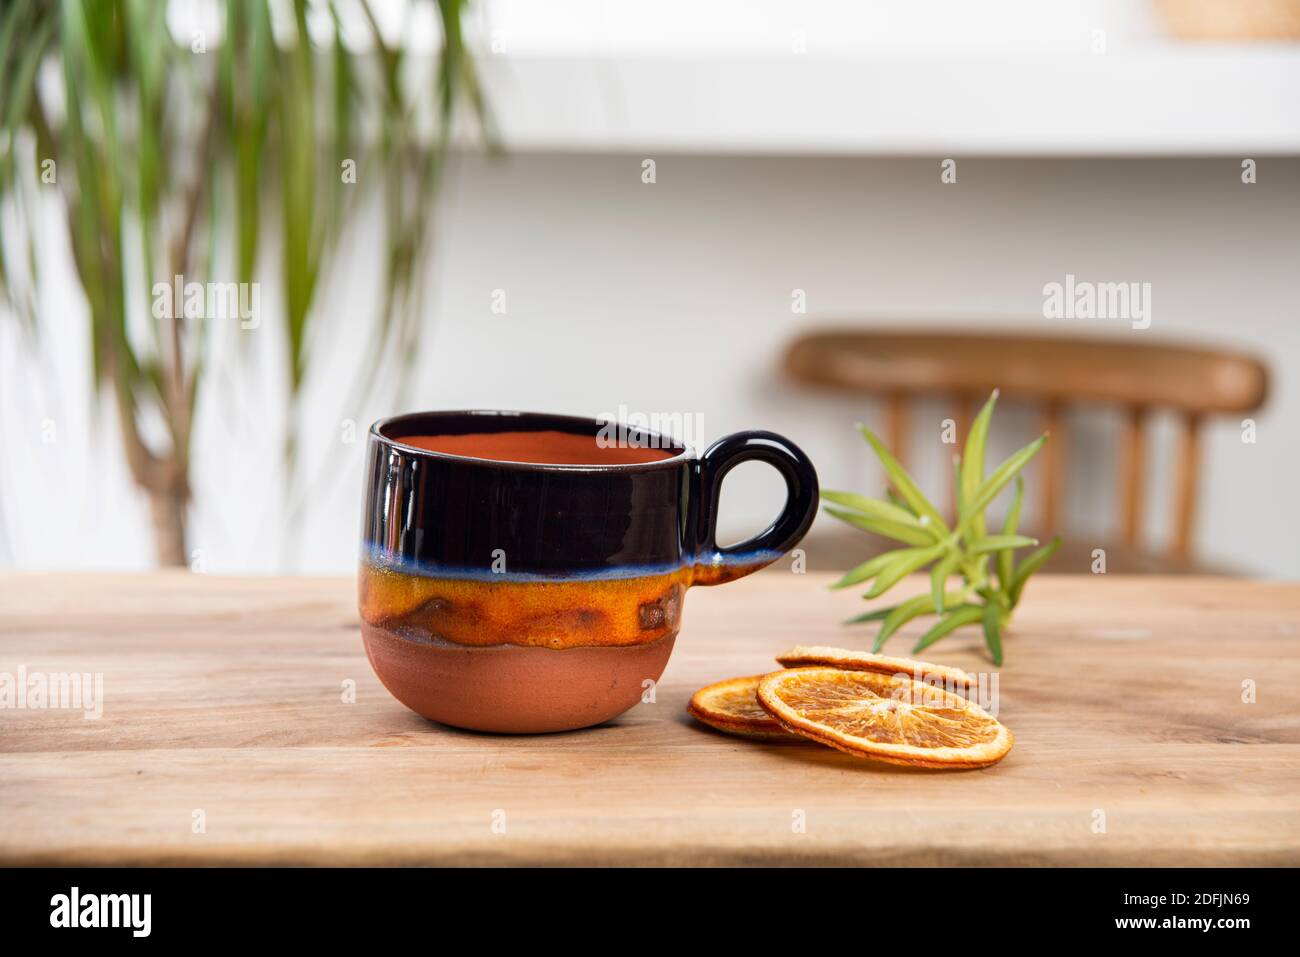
x=223, y=706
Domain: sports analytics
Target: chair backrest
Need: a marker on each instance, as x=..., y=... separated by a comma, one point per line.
x=1057, y=372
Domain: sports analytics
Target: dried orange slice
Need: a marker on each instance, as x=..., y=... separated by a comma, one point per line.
x=803, y=655
x=888, y=718
x=732, y=707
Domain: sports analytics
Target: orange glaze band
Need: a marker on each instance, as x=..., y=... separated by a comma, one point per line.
x=719, y=573
x=565, y=613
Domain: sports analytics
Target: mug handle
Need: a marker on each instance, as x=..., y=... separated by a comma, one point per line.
x=714, y=565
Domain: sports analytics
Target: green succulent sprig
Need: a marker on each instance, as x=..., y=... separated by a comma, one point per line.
x=992, y=582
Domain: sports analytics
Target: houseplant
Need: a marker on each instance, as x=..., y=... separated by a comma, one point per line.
x=990, y=580
x=174, y=151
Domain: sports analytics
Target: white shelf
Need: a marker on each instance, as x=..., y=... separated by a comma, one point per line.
x=1164, y=100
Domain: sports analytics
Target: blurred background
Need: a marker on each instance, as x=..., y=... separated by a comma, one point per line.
x=660, y=211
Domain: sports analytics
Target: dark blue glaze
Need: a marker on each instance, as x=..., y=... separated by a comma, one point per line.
x=444, y=515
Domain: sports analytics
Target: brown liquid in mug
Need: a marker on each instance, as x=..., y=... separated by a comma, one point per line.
x=541, y=448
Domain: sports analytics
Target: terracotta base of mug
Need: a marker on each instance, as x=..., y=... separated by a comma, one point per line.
x=514, y=689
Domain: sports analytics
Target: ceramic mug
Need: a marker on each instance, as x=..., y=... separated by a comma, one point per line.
x=523, y=572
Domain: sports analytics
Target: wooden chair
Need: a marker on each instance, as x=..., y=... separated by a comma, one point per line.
x=1056, y=372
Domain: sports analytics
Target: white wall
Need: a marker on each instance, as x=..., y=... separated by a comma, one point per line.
x=675, y=298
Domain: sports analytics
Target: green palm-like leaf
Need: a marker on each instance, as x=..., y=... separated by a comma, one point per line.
x=1034, y=561
x=996, y=482
x=912, y=495
x=993, y=631
x=873, y=508
x=962, y=615
x=1006, y=557
x=887, y=518
x=875, y=615
x=868, y=569
x=897, y=499
x=900, y=615
x=902, y=566
x=972, y=462
x=939, y=578
x=906, y=533
x=994, y=543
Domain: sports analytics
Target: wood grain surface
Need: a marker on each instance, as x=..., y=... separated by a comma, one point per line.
x=225, y=696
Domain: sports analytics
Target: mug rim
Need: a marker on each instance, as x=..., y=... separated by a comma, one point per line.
x=376, y=432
